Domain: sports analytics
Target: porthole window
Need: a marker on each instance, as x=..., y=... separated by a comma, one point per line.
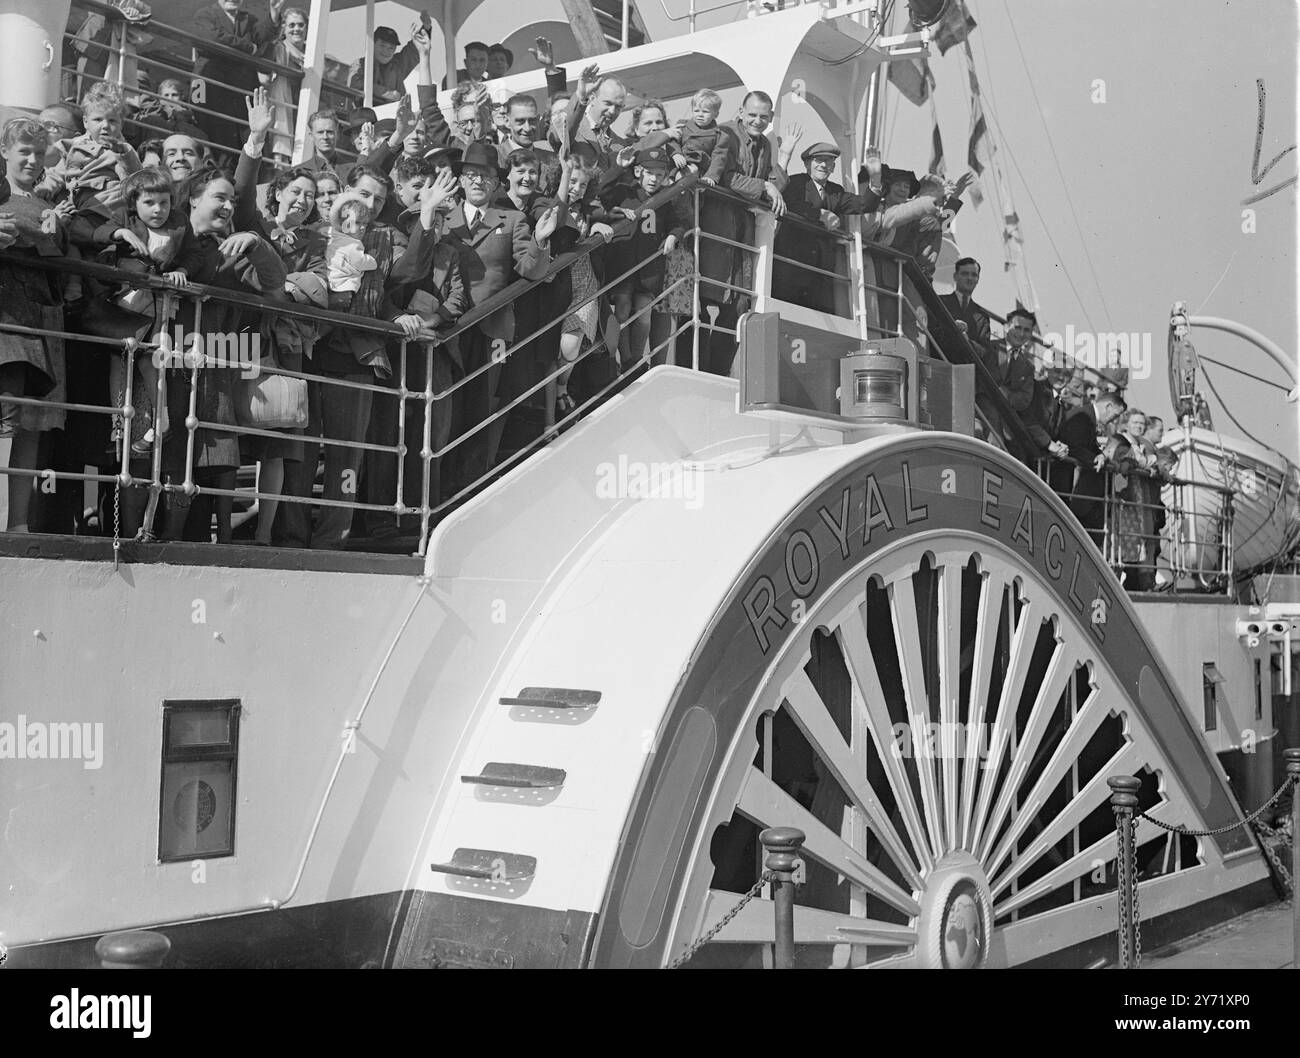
x=196, y=814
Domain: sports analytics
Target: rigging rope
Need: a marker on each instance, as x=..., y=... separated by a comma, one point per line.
x=991, y=114
x=1055, y=158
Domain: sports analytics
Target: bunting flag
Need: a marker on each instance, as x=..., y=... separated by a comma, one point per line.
x=912, y=78
x=1013, y=249
x=953, y=28
x=936, y=142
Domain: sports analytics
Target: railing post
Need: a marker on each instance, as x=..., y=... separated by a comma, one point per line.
x=137, y=949
x=1292, y=757
x=1123, y=799
x=782, y=845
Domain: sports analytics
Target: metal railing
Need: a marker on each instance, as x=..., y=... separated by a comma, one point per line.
x=906, y=305
x=121, y=58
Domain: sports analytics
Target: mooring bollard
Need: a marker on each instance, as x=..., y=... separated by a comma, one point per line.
x=782, y=845
x=1123, y=799
x=137, y=949
x=1292, y=757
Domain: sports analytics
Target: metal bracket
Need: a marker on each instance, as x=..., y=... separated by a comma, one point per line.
x=554, y=698
x=526, y=776
x=489, y=865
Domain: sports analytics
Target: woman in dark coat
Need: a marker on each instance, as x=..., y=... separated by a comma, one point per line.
x=286, y=223
x=216, y=255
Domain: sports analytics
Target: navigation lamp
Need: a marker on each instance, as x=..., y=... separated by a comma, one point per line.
x=873, y=386
x=927, y=12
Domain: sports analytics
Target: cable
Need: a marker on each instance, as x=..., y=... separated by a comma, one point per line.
x=1055, y=158
x=989, y=113
x=861, y=48
x=1248, y=374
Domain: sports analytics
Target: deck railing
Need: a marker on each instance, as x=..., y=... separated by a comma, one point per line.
x=873, y=289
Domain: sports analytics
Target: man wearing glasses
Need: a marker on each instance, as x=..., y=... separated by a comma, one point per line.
x=495, y=247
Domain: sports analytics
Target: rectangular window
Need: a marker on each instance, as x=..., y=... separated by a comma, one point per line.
x=196, y=810
x=1210, y=680
x=1259, y=689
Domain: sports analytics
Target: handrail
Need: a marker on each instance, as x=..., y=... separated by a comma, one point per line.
x=211, y=47
x=203, y=291
x=559, y=264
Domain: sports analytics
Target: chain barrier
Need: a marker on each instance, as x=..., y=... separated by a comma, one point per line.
x=704, y=939
x=1250, y=819
x=1133, y=894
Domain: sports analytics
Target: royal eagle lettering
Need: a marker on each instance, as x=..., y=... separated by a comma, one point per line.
x=911, y=495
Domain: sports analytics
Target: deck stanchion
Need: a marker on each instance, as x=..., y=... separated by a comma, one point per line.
x=1292, y=757
x=137, y=949
x=782, y=845
x=1123, y=799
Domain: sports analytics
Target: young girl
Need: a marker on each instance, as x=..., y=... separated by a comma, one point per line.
x=149, y=242
x=345, y=255
x=578, y=220
x=30, y=365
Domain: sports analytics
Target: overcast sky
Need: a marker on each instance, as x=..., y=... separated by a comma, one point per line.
x=1156, y=174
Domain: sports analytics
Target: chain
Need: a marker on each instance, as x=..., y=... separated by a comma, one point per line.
x=1122, y=889
x=1278, y=867
x=1231, y=826
x=1133, y=883
x=689, y=953
x=125, y=443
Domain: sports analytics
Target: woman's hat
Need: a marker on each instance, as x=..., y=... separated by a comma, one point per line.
x=892, y=176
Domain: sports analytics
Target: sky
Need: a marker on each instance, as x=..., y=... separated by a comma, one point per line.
x=1128, y=204
x=1156, y=174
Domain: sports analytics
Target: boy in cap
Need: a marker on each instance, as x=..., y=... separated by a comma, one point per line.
x=654, y=235
x=817, y=199
x=391, y=65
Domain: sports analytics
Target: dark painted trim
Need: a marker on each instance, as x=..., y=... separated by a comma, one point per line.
x=180, y=553
x=436, y=929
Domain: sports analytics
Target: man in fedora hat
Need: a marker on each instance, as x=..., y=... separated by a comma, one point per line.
x=817, y=199
x=495, y=248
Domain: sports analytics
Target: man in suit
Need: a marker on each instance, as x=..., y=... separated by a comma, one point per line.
x=226, y=22
x=1087, y=498
x=972, y=319
x=817, y=199
x=751, y=172
x=1015, y=360
x=496, y=247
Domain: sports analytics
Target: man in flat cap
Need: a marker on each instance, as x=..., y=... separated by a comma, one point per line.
x=818, y=200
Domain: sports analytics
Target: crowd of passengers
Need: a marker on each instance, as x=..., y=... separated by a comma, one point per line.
x=414, y=220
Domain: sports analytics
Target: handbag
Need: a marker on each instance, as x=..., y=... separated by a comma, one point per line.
x=271, y=402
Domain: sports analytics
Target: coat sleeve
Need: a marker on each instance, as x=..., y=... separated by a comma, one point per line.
x=531, y=261
x=1020, y=388
x=1080, y=438
x=455, y=300
x=556, y=80
x=416, y=260
x=246, y=191
x=435, y=122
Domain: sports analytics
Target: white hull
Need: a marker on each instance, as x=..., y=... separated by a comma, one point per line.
x=1265, y=499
